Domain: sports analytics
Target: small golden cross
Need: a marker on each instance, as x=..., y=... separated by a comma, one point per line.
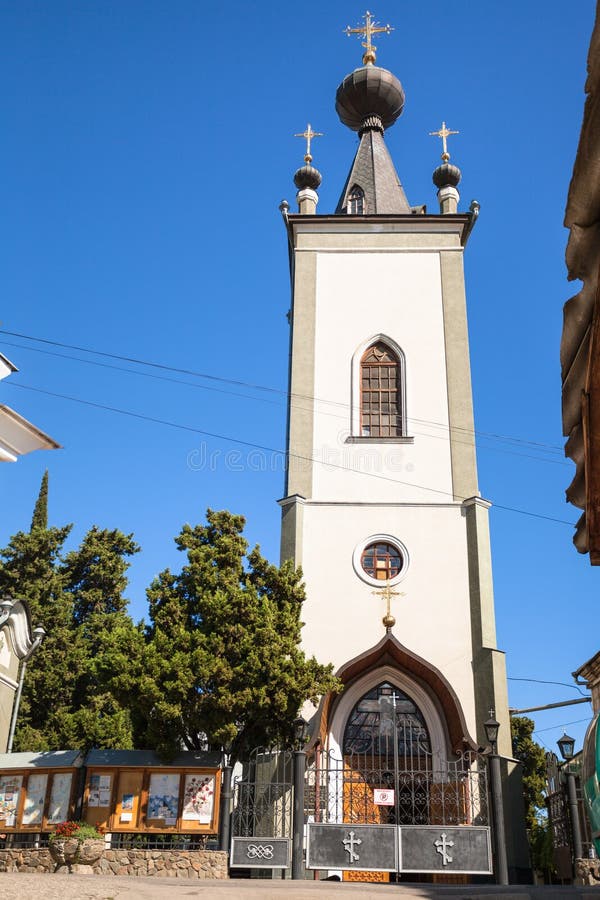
x=387, y=593
x=443, y=133
x=368, y=30
x=309, y=134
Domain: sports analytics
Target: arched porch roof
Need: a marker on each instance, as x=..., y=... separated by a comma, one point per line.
x=389, y=651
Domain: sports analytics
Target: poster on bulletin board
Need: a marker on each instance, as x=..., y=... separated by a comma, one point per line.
x=198, y=799
x=34, y=800
x=163, y=797
x=10, y=789
x=58, y=811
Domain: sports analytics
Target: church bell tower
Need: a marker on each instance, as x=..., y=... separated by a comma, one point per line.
x=382, y=508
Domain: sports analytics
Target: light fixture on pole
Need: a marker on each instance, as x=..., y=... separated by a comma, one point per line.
x=566, y=745
x=301, y=735
x=492, y=726
x=226, y=796
x=39, y=634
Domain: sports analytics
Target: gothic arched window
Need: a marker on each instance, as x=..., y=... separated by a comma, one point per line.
x=382, y=714
x=356, y=201
x=380, y=393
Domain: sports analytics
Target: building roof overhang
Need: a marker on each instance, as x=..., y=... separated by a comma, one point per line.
x=6, y=367
x=19, y=436
x=589, y=671
x=580, y=342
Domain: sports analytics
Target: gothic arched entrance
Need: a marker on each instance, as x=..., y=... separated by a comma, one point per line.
x=387, y=759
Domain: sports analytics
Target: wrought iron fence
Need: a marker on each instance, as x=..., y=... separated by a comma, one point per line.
x=416, y=788
x=263, y=797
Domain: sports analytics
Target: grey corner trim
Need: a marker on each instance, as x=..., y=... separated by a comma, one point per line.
x=355, y=439
x=293, y=498
x=477, y=501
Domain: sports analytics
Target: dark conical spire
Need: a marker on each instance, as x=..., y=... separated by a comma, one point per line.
x=373, y=173
x=40, y=510
x=369, y=100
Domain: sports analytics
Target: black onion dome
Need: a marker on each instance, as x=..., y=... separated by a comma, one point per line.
x=307, y=177
x=369, y=91
x=446, y=175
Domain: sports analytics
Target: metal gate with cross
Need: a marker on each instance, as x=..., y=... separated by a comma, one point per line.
x=261, y=824
x=394, y=806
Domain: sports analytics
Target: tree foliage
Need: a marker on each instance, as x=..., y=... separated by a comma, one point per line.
x=533, y=761
x=223, y=665
x=69, y=695
x=218, y=664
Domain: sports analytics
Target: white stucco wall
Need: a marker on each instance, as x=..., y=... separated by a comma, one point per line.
x=342, y=616
x=397, y=294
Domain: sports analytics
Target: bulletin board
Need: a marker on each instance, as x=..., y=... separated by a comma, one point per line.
x=153, y=800
x=36, y=800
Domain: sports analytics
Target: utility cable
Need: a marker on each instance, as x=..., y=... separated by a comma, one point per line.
x=283, y=453
x=259, y=387
x=204, y=387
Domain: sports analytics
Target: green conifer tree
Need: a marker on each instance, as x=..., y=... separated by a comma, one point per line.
x=72, y=692
x=40, y=510
x=222, y=664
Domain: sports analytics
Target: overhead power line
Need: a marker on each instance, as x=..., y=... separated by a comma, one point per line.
x=575, y=687
x=264, y=388
x=277, y=402
x=283, y=453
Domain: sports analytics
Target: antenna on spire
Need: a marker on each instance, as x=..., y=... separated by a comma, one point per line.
x=367, y=31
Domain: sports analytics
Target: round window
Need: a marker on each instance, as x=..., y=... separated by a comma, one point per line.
x=380, y=557
x=381, y=561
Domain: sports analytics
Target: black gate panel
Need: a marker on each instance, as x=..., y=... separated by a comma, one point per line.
x=372, y=848
x=465, y=849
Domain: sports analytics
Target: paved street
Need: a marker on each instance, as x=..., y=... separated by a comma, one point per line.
x=15, y=886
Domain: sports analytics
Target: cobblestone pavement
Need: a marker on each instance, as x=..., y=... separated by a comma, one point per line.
x=17, y=886
x=22, y=886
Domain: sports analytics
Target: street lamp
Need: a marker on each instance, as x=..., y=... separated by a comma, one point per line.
x=566, y=745
x=226, y=795
x=492, y=726
x=301, y=735
x=39, y=634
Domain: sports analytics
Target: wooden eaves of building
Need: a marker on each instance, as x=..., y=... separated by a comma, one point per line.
x=580, y=344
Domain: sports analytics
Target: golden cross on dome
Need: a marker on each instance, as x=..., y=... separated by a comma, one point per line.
x=387, y=593
x=309, y=134
x=443, y=133
x=367, y=31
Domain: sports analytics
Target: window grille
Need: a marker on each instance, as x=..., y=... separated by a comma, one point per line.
x=381, y=413
x=356, y=201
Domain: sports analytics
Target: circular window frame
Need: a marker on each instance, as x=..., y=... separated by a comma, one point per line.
x=377, y=539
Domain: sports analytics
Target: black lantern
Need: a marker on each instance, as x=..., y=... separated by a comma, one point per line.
x=566, y=745
x=492, y=726
x=301, y=732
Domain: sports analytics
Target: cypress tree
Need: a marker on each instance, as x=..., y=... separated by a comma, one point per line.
x=40, y=510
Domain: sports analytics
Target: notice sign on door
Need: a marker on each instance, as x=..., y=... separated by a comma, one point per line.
x=383, y=797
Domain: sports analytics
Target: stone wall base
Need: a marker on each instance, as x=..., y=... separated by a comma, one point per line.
x=195, y=864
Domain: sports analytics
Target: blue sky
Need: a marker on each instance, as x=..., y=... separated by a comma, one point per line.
x=145, y=148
